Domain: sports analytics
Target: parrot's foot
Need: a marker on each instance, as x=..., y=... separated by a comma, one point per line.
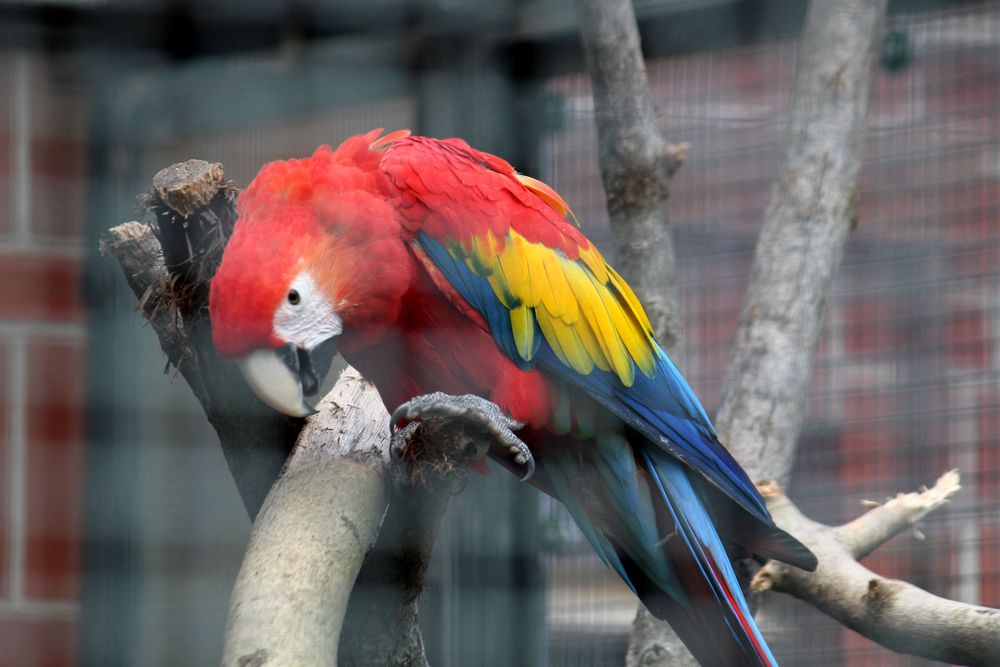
x=484, y=426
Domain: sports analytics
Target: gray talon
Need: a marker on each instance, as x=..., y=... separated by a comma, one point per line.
x=475, y=411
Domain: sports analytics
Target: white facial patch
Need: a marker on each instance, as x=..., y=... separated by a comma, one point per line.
x=306, y=317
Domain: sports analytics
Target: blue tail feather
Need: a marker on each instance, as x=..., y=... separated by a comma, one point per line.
x=565, y=474
x=644, y=515
x=616, y=466
x=695, y=527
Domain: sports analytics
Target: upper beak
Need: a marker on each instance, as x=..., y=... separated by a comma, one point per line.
x=282, y=377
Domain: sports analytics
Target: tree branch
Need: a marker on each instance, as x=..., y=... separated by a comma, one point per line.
x=636, y=164
x=810, y=213
x=896, y=614
x=866, y=533
x=312, y=534
x=168, y=266
x=382, y=626
x=339, y=461
x=636, y=167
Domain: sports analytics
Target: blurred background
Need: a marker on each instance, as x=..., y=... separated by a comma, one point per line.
x=120, y=528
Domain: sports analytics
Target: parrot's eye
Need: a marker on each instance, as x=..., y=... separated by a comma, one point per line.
x=293, y=297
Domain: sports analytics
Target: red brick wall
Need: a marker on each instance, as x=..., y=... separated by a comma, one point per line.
x=42, y=347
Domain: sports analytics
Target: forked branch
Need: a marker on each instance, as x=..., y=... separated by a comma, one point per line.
x=894, y=613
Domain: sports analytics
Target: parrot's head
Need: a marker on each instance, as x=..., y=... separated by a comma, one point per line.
x=312, y=254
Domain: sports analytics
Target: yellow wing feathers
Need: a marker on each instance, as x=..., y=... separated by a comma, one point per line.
x=584, y=310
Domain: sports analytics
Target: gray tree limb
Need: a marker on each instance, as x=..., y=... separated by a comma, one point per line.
x=636, y=167
x=870, y=530
x=811, y=211
x=636, y=163
x=896, y=614
x=314, y=587
x=167, y=266
x=312, y=534
x=173, y=297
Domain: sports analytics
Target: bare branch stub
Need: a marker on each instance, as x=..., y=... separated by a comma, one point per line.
x=188, y=187
x=140, y=256
x=866, y=533
x=195, y=210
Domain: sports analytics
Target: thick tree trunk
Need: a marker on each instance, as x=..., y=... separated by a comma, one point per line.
x=812, y=208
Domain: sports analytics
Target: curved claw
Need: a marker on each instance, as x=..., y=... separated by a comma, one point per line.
x=518, y=451
x=477, y=411
x=528, y=461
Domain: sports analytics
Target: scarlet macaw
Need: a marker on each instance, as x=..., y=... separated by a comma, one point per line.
x=438, y=268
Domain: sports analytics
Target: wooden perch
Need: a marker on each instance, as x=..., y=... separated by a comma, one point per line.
x=297, y=586
x=893, y=613
x=313, y=588
x=312, y=534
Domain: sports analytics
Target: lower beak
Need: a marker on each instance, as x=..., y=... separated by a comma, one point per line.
x=284, y=376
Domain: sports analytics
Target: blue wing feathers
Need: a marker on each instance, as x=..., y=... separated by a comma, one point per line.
x=478, y=292
x=565, y=475
x=615, y=463
x=614, y=504
x=695, y=527
x=663, y=408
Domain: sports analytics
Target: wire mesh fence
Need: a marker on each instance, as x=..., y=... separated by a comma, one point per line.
x=904, y=385
x=905, y=380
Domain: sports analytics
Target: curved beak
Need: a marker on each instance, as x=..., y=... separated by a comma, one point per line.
x=283, y=377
